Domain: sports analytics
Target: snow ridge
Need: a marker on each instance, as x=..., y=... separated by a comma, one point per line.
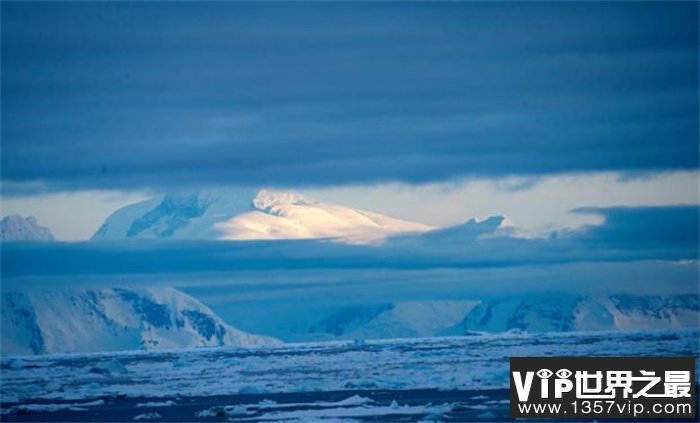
x=108, y=319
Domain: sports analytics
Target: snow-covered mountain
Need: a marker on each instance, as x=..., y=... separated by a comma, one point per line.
x=17, y=228
x=564, y=314
x=39, y=322
x=118, y=319
x=534, y=314
x=249, y=215
x=410, y=319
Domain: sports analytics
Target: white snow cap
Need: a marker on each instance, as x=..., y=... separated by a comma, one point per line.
x=243, y=214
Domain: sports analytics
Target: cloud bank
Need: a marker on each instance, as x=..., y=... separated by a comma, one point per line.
x=138, y=95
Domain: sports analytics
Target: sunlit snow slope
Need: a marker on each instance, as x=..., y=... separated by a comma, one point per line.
x=112, y=319
x=249, y=215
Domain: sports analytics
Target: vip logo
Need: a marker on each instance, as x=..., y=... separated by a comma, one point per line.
x=575, y=387
x=600, y=385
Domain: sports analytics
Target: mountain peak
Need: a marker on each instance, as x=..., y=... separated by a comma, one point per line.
x=244, y=214
x=17, y=228
x=289, y=215
x=267, y=199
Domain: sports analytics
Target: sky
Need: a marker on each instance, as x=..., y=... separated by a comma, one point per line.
x=431, y=112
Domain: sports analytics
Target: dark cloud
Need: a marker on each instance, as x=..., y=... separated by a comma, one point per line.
x=125, y=95
x=664, y=231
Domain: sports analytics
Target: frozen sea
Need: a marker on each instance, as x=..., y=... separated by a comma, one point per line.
x=428, y=379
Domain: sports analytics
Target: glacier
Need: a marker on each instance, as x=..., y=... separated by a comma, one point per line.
x=246, y=214
x=107, y=319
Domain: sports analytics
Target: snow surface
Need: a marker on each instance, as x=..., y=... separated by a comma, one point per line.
x=70, y=320
x=241, y=214
x=269, y=410
x=401, y=319
x=51, y=408
x=409, y=319
x=155, y=404
x=148, y=416
x=281, y=215
x=474, y=362
x=17, y=228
